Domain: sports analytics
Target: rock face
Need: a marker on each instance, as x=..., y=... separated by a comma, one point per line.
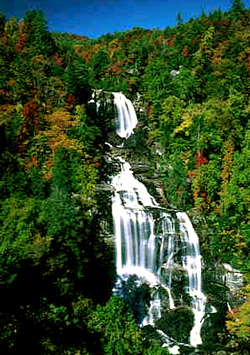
x=139, y=168
x=114, y=139
x=222, y=283
x=177, y=323
x=141, y=110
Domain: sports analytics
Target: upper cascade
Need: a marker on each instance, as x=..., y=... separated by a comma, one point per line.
x=126, y=117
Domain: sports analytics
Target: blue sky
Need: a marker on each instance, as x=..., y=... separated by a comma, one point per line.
x=93, y=18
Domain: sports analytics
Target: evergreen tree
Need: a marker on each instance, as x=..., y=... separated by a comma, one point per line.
x=78, y=80
x=2, y=22
x=237, y=8
x=179, y=18
x=38, y=35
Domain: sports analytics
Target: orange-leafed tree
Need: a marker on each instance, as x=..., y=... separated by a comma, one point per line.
x=60, y=121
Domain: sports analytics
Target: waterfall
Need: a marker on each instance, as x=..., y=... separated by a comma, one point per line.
x=126, y=119
x=151, y=243
x=192, y=265
x=126, y=116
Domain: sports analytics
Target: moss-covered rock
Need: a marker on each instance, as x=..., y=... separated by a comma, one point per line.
x=177, y=323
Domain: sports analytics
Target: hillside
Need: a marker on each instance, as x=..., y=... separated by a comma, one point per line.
x=192, y=83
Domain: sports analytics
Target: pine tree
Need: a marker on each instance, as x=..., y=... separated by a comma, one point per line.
x=179, y=18
x=237, y=8
x=38, y=35
x=77, y=80
x=2, y=22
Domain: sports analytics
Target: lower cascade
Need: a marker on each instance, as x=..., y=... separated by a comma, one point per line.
x=153, y=245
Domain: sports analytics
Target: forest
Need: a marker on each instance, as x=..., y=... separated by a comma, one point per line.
x=57, y=269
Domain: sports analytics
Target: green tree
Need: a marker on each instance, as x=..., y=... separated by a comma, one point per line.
x=77, y=78
x=119, y=333
x=2, y=22
x=179, y=19
x=99, y=62
x=237, y=6
x=38, y=35
x=238, y=322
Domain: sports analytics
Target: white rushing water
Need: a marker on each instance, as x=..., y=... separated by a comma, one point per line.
x=191, y=260
x=150, y=242
x=126, y=119
x=137, y=250
x=126, y=116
